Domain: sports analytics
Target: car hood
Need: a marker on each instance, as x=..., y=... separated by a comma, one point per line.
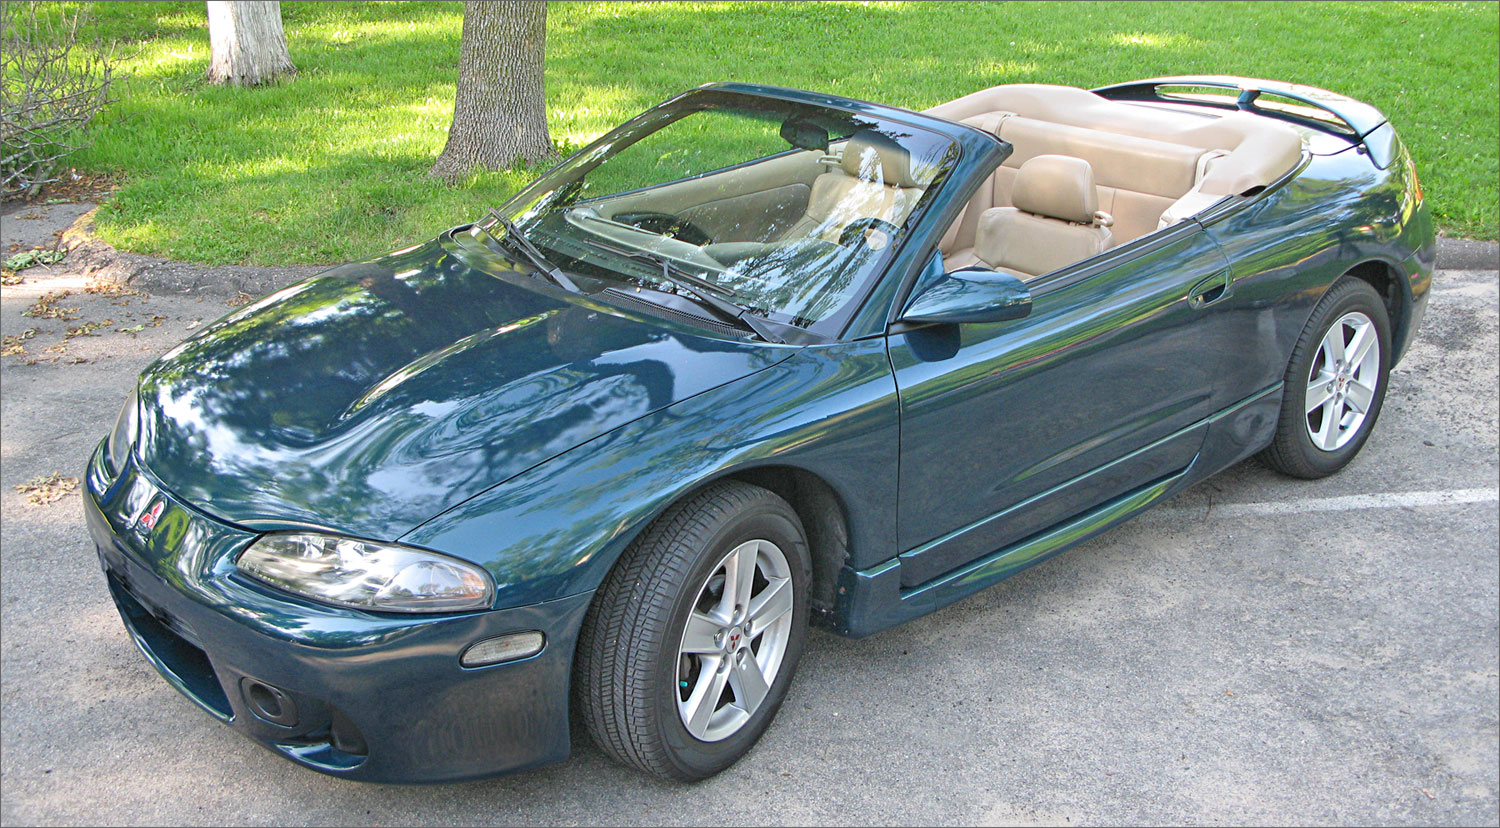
x=374, y=396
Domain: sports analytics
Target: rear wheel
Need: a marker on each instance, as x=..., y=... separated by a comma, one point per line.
x=1335, y=384
x=690, y=644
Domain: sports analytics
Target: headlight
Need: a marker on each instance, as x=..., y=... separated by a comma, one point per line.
x=366, y=575
x=122, y=437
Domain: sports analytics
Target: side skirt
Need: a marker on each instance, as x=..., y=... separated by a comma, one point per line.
x=873, y=599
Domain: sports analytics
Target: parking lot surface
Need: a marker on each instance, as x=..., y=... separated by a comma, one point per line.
x=1257, y=650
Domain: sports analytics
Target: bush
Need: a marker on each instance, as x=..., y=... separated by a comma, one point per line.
x=49, y=92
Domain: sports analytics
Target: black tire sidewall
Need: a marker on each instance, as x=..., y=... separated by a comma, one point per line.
x=772, y=521
x=1351, y=296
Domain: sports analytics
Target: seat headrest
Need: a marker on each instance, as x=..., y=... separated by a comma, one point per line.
x=871, y=156
x=1056, y=186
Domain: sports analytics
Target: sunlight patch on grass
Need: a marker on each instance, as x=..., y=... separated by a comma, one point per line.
x=1151, y=40
x=332, y=164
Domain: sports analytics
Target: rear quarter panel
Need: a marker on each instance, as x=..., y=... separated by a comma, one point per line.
x=1291, y=244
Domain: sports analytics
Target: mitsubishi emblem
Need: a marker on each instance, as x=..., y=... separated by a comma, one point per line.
x=148, y=518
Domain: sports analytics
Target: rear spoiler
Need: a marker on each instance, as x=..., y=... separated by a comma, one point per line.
x=1299, y=104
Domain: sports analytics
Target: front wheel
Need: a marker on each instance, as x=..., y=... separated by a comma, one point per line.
x=691, y=642
x=1335, y=384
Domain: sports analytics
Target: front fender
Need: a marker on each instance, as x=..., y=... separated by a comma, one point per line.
x=557, y=529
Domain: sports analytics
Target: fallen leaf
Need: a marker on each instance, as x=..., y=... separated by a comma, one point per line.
x=15, y=344
x=33, y=257
x=87, y=329
x=47, y=308
x=47, y=489
x=102, y=287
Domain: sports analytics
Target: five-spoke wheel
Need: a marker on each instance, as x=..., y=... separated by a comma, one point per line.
x=692, y=640
x=1341, y=385
x=1335, y=383
x=735, y=640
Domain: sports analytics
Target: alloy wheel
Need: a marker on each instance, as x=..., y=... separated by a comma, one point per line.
x=735, y=640
x=1342, y=383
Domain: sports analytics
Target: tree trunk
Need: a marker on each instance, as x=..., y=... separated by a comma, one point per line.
x=246, y=42
x=500, y=112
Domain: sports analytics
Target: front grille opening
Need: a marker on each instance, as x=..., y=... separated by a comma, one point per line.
x=184, y=666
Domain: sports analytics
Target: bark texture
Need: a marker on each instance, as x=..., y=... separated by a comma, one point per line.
x=246, y=42
x=500, y=112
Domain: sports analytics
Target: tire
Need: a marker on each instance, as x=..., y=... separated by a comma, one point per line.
x=634, y=686
x=1302, y=446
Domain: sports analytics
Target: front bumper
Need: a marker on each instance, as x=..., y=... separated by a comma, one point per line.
x=367, y=696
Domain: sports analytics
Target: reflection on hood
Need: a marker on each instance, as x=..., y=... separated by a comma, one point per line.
x=375, y=396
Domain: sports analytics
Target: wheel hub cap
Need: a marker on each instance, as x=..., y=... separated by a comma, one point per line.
x=730, y=639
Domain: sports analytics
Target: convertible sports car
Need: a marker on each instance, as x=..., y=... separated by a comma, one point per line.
x=755, y=360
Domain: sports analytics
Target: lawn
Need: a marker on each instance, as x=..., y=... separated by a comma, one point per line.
x=332, y=166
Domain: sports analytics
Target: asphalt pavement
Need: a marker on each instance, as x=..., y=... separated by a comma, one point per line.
x=1257, y=650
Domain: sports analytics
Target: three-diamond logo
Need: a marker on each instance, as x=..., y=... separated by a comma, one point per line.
x=149, y=517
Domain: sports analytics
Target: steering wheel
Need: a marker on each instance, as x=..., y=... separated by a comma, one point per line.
x=666, y=224
x=858, y=228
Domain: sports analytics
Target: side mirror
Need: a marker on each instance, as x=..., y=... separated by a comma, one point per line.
x=971, y=295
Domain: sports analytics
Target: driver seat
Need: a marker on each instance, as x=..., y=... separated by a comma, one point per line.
x=873, y=180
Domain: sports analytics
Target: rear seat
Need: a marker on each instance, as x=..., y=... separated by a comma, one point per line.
x=1151, y=166
x=1137, y=178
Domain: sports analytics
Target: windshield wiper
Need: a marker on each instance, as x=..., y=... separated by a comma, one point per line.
x=533, y=253
x=702, y=290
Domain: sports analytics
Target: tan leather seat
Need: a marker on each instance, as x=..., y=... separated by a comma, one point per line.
x=1152, y=166
x=874, y=179
x=957, y=244
x=1055, y=220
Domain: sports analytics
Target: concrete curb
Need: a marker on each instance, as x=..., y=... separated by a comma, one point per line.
x=93, y=257
x=1462, y=254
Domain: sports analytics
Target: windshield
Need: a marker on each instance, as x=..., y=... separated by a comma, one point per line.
x=785, y=209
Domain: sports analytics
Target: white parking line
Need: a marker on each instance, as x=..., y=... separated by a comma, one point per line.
x=1384, y=500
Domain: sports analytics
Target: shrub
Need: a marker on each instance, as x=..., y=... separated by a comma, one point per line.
x=51, y=87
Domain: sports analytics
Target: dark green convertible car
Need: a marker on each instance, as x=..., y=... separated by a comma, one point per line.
x=756, y=360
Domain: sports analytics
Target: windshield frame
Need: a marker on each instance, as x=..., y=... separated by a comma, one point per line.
x=878, y=273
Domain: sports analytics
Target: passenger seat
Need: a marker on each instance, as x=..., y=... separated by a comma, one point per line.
x=1055, y=221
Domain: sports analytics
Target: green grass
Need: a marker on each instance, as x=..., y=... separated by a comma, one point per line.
x=332, y=165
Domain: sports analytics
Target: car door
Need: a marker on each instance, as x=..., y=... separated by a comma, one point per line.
x=1010, y=427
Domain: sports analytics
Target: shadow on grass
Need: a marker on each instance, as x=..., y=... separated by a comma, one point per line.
x=332, y=164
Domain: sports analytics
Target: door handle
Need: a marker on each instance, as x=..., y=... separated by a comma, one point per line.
x=1210, y=290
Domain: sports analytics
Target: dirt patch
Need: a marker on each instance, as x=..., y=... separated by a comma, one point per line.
x=1458, y=328
x=88, y=256
x=28, y=226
